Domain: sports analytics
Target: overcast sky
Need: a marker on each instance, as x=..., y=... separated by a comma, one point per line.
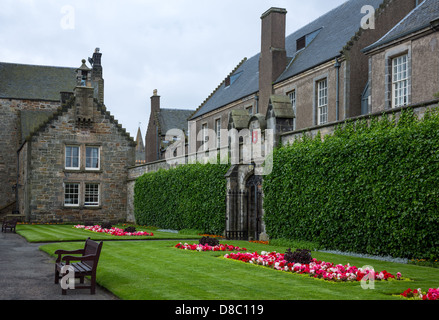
x=182, y=48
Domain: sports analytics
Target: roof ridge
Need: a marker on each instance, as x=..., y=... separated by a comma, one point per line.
x=177, y=109
x=219, y=86
x=408, y=15
x=37, y=65
x=64, y=107
x=357, y=35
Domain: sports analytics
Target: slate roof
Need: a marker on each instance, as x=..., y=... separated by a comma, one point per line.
x=173, y=119
x=331, y=32
x=31, y=120
x=22, y=81
x=418, y=19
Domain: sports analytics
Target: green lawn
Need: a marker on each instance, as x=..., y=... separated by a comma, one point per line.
x=55, y=233
x=156, y=270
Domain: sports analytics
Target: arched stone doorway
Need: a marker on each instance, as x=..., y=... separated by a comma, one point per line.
x=244, y=204
x=254, y=207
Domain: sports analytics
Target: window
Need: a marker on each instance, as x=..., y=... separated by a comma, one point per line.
x=91, y=195
x=218, y=132
x=71, y=194
x=300, y=43
x=92, y=158
x=322, y=101
x=250, y=110
x=400, y=81
x=205, y=136
x=292, y=96
x=72, y=157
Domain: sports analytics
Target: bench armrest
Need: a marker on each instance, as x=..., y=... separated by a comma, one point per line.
x=61, y=252
x=67, y=259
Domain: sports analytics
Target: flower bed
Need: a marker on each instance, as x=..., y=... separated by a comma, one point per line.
x=317, y=269
x=113, y=231
x=418, y=294
x=206, y=247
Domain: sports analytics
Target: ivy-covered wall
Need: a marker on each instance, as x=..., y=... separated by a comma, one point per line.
x=368, y=188
x=190, y=196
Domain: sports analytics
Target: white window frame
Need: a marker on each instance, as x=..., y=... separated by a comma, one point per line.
x=218, y=132
x=87, y=193
x=71, y=157
x=322, y=101
x=293, y=99
x=98, y=158
x=78, y=187
x=205, y=136
x=400, y=81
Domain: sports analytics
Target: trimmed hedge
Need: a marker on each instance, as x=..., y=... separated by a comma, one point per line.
x=367, y=188
x=186, y=197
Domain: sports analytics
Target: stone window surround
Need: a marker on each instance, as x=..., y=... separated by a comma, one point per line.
x=217, y=132
x=67, y=205
x=81, y=195
x=316, y=80
x=99, y=157
x=205, y=134
x=389, y=56
x=293, y=89
x=319, y=98
x=98, y=194
x=82, y=157
x=65, y=157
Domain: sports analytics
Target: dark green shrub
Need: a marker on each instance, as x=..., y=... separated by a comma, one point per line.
x=106, y=225
x=186, y=197
x=130, y=229
x=209, y=241
x=367, y=188
x=302, y=256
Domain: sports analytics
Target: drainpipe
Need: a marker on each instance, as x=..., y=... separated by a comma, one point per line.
x=337, y=89
x=257, y=103
x=17, y=185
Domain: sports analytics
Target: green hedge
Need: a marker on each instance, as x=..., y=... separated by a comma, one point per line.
x=186, y=197
x=367, y=188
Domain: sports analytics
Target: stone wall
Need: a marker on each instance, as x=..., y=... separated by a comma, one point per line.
x=419, y=109
x=305, y=86
x=10, y=139
x=46, y=174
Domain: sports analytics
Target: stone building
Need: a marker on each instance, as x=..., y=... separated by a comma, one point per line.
x=71, y=155
x=161, y=121
x=404, y=63
x=313, y=77
x=29, y=94
x=140, y=148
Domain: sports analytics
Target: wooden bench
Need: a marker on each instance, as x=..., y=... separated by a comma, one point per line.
x=9, y=224
x=87, y=265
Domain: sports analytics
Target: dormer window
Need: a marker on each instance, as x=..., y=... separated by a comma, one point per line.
x=304, y=41
x=301, y=43
x=230, y=79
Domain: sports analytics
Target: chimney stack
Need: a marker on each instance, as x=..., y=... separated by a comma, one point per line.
x=155, y=102
x=97, y=75
x=273, y=58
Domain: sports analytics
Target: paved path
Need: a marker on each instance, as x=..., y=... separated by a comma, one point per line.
x=26, y=273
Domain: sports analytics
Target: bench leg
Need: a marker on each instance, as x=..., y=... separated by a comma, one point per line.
x=93, y=284
x=56, y=275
